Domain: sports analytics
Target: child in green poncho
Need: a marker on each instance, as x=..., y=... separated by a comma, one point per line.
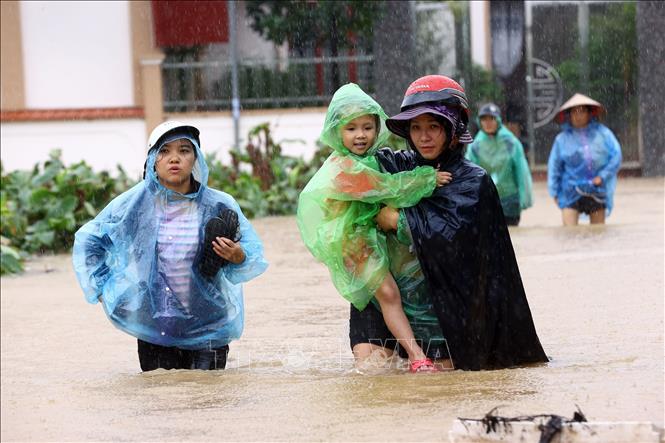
x=336, y=210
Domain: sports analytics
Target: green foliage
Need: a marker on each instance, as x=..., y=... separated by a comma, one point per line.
x=305, y=24
x=260, y=178
x=483, y=88
x=11, y=261
x=612, y=59
x=312, y=26
x=41, y=209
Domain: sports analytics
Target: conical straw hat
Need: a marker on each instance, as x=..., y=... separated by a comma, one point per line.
x=580, y=100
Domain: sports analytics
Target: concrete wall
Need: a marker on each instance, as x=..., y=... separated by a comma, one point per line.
x=102, y=143
x=76, y=54
x=105, y=143
x=651, y=44
x=12, y=93
x=480, y=33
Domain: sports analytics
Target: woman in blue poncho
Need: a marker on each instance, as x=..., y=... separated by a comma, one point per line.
x=501, y=154
x=584, y=162
x=167, y=258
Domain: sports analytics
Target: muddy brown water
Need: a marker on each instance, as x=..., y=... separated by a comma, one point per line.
x=596, y=294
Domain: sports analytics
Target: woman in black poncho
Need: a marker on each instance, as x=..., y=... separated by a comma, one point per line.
x=459, y=235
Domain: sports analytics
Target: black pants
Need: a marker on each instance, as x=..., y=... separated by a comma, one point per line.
x=587, y=205
x=153, y=357
x=368, y=326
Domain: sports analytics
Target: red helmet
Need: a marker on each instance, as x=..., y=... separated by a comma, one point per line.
x=438, y=95
x=436, y=88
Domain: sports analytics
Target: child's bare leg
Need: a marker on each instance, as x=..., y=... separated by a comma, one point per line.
x=393, y=314
x=361, y=351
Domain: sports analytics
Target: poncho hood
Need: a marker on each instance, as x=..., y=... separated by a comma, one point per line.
x=499, y=122
x=199, y=171
x=348, y=103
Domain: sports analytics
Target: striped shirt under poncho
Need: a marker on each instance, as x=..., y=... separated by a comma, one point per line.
x=177, y=243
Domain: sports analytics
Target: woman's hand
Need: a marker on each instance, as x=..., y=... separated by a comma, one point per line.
x=229, y=250
x=597, y=181
x=387, y=218
x=443, y=178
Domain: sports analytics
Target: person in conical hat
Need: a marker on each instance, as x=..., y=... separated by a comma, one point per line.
x=578, y=99
x=583, y=163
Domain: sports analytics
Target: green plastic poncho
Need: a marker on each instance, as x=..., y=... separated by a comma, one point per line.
x=336, y=209
x=416, y=300
x=502, y=156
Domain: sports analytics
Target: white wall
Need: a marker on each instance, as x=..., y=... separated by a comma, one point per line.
x=479, y=31
x=105, y=143
x=76, y=54
x=296, y=131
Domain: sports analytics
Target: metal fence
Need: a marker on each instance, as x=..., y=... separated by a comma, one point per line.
x=289, y=83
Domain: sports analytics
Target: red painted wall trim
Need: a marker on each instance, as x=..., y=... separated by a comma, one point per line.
x=36, y=115
x=190, y=23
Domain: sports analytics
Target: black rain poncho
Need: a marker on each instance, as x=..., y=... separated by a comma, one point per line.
x=464, y=248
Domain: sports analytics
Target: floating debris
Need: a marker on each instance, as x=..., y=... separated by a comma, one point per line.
x=550, y=428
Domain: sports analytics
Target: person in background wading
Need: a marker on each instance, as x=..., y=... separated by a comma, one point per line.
x=459, y=237
x=167, y=258
x=501, y=154
x=584, y=162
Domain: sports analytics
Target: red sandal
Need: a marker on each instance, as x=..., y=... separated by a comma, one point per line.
x=424, y=365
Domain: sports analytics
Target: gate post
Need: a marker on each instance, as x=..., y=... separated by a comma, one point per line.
x=651, y=87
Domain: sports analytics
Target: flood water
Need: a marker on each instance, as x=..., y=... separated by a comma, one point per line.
x=596, y=294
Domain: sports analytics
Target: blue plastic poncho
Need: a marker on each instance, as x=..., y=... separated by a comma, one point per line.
x=336, y=209
x=116, y=260
x=579, y=155
x=502, y=156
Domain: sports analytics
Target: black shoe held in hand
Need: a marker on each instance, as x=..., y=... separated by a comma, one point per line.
x=225, y=225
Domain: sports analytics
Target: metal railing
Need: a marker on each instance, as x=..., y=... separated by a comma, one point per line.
x=288, y=83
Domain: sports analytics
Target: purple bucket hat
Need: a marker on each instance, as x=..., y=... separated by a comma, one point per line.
x=399, y=124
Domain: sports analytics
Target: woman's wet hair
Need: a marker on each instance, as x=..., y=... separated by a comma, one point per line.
x=447, y=126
